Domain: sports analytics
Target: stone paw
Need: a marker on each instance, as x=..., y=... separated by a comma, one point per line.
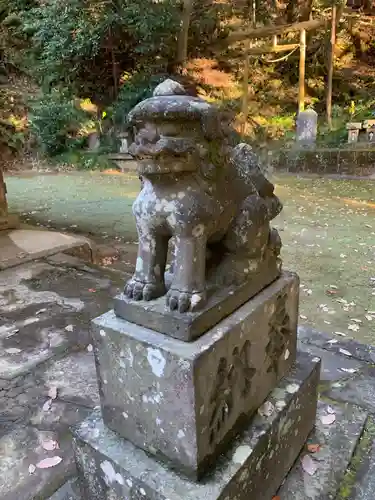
x=138, y=290
x=184, y=301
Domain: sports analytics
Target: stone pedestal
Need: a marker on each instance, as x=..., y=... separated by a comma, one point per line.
x=222, y=417
x=112, y=468
x=184, y=401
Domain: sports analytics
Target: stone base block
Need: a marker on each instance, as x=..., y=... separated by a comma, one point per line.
x=111, y=468
x=191, y=325
x=184, y=401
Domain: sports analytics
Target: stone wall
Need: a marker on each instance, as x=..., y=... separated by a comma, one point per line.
x=357, y=162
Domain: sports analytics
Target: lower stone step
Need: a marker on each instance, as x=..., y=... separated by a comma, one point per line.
x=111, y=467
x=335, y=443
x=331, y=444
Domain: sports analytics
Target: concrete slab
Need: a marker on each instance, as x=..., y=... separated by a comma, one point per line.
x=360, y=481
x=70, y=491
x=359, y=390
x=59, y=416
x=337, y=443
x=333, y=367
x=74, y=376
x=24, y=245
x=22, y=448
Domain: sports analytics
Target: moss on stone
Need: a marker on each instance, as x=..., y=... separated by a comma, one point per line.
x=360, y=454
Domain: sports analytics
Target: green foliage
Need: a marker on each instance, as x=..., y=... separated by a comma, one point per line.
x=56, y=122
x=134, y=90
x=83, y=160
x=89, y=45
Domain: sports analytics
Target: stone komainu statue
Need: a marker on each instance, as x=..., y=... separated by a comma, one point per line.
x=211, y=199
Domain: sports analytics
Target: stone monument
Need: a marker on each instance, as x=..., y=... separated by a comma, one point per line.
x=307, y=128
x=203, y=394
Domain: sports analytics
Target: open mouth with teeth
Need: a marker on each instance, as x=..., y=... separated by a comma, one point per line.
x=163, y=147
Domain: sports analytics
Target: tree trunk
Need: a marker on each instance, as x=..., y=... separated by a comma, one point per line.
x=184, y=33
x=331, y=67
x=298, y=10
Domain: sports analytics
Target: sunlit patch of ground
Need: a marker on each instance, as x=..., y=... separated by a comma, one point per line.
x=328, y=230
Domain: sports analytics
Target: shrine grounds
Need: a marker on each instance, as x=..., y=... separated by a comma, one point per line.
x=327, y=228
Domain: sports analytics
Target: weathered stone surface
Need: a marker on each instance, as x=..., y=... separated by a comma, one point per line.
x=22, y=448
x=354, y=349
x=334, y=367
x=191, y=325
x=307, y=127
x=359, y=390
x=183, y=400
x=350, y=162
x=199, y=192
x=74, y=376
x=361, y=484
x=34, y=319
x=337, y=443
x=70, y=491
x=113, y=468
x=59, y=417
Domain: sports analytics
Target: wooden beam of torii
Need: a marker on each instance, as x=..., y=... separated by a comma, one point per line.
x=268, y=31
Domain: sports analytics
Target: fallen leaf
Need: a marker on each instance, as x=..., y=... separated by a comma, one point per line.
x=328, y=419
x=50, y=445
x=356, y=320
x=302, y=316
x=47, y=405
x=313, y=448
x=340, y=334
x=342, y=301
x=344, y=351
x=41, y=311
x=369, y=318
x=349, y=370
x=353, y=328
x=69, y=328
x=32, y=469
x=266, y=409
x=309, y=465
x=13, y=350
x=332, y=341
x=52, y=393
x=49, y=462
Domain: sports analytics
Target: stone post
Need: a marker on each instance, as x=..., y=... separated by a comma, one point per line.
x=6, y=221
x=203, y=393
